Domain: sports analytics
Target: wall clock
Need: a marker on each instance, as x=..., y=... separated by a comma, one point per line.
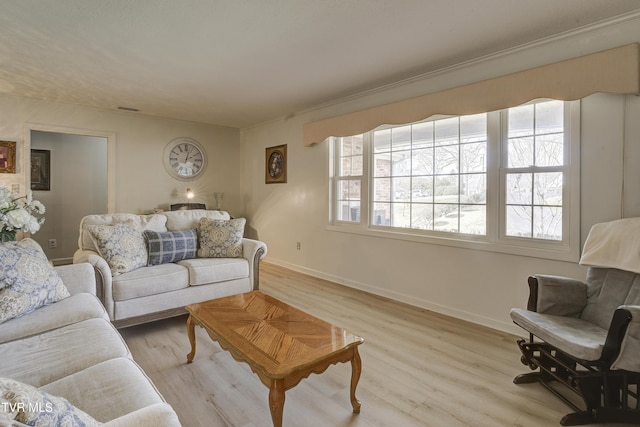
x=184, y=158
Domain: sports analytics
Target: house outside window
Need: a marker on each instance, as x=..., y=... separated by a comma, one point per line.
x=505, y=178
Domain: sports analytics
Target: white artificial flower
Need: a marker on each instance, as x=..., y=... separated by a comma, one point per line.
x=17, y=218
x=17, y=213
x=32, y=225
x=37, y=207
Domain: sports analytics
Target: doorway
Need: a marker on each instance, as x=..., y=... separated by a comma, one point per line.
x=78, y=178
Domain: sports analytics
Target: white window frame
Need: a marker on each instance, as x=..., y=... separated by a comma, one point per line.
x=496, y=239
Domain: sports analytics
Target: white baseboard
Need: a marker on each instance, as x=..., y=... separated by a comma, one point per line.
x=509, y=328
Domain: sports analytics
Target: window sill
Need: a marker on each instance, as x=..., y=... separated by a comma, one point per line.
x=561, y=253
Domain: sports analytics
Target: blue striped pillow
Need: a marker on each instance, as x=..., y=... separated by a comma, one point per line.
x=170, y=246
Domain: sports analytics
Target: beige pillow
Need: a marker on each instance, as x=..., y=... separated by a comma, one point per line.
x=220, y=238
x=121, y=245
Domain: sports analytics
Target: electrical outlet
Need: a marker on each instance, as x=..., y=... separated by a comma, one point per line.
x=53, y=243
x=15, y=189
x=298, y=245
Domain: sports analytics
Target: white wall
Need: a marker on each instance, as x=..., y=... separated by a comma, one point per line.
x=470, y=284
x=141, y=182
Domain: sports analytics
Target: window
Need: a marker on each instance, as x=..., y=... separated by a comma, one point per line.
x=534, y=170
x=502, y=177
x=349, y=177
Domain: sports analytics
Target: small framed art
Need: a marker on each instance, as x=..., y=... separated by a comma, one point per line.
x=7, y=157
x=41, y=170
x=276, y=165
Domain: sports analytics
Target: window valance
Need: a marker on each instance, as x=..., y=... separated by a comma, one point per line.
x=611, y=71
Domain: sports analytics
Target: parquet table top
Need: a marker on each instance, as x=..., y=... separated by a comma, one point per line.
x=280, y=343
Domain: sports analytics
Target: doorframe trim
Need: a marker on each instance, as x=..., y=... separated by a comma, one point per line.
x=111, y=154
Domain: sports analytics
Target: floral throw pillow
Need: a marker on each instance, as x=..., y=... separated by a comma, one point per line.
x=220, y=238
x=121, y=245
x=27, y=280
x=28, y=405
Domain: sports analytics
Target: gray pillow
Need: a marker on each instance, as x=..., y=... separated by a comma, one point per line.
x=170, y=246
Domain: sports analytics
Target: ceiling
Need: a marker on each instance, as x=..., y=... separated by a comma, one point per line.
x=243, y=62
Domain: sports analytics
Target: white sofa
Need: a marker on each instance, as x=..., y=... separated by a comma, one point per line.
x=70, y=349
x=158, y=291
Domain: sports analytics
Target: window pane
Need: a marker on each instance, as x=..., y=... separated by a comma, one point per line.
x=401, y=163
x=473, y=157
x=401, y=188
x=422, y=216
x=382, y=164
x=422, y=134
x=547, y=223
x=382, y=190
x=519, y=219
x=548, y=189
x=446, y=159
x=349, y=211
x=473, y=219
x=473, y=128
x=549, y=117
x=446, y=218
x=519, y=188
x=473, y=188
x=520, y=121
x=550, y=150
x=401, y=215
x=520, y=152
x=401, y=138
x=446, y=189
x=422, y=162
x=422, y=189
x=349, y=189
x=356, y=165
x=345, y=166
x=447, y=131
x=382, y=140
x=345, y=146
x=381, y=214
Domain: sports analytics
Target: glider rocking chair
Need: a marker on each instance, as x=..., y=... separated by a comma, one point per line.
x=584, y=337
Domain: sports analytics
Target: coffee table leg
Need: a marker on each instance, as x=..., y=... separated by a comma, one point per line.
x=276, y=401
x=191, y=332
x=356, y=369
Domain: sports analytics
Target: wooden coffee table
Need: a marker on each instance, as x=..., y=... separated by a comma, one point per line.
x=281, y=344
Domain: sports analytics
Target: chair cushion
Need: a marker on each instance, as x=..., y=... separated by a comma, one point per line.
x=220, y=238
x=155, y=279
x=608, y=289
x=70, y=310
x=579, y=338
x=170, y=246
x=107, y=390
x=47, y=357
x=27, y=280
x=213, y=270
x=121, y=245
x=26, y=404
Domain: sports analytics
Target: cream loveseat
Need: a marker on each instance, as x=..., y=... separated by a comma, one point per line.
x=149, y=292
x=67, y=350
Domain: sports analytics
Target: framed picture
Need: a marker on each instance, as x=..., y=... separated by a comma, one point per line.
x=276, y=165
x=7, y=157
x=41, y=170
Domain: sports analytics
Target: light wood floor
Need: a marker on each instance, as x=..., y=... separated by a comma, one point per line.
x=419, y=368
